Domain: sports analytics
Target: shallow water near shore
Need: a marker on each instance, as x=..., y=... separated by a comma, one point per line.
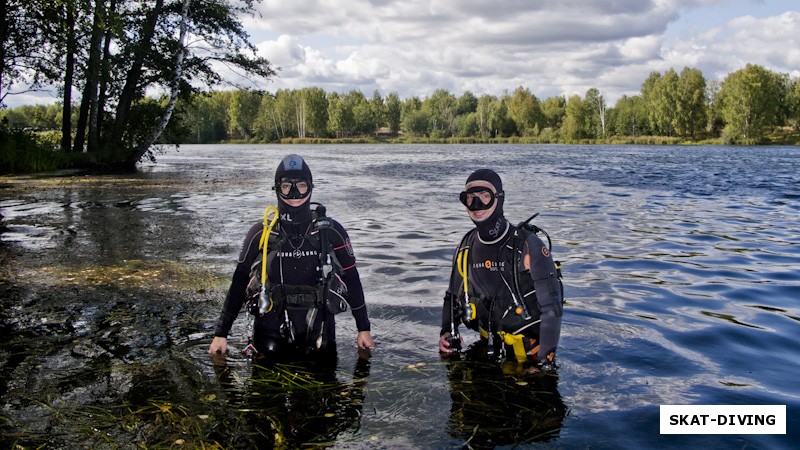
x=680, y=272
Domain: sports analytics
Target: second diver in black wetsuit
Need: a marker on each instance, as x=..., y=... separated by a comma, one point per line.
x=504, y=283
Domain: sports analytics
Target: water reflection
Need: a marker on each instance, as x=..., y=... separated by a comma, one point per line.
x=295, y=403
x=680, y=269
x=495, y=405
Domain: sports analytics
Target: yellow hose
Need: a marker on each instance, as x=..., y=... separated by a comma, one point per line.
x=268, y=224
x=462, y=262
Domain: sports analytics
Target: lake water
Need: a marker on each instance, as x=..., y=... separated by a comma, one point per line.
x=681, y=272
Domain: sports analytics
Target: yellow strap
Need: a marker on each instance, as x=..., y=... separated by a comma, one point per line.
x=515, y=341
x=268, y=224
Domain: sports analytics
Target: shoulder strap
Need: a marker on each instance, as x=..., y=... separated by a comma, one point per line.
x=516, y=253
x=322, y=226
x=520, y=237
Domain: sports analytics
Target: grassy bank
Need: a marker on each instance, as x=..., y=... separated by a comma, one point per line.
x=24, y=151
x=779, y=137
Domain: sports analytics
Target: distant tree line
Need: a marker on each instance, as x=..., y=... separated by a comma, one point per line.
x=740, y=110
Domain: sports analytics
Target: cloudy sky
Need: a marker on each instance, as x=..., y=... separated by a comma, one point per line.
x=552, y=47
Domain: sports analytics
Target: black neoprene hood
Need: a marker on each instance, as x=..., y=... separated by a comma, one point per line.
x=293, y=166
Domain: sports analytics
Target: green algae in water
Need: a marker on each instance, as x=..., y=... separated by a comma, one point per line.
x=160, y=274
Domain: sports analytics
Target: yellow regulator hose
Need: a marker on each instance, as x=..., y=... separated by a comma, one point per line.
x=462, y=268
x=268, y=224
x=462, y=262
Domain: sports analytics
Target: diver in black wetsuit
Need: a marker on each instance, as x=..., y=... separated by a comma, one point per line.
x=504, y=283
x=295, y=311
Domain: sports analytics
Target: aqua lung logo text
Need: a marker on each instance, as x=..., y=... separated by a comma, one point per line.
x=298, y=254
x=490, y=265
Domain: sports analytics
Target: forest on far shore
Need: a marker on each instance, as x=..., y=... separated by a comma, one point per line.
x=751, y=106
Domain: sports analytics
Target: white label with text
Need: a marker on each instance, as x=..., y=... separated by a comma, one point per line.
x=723, y=419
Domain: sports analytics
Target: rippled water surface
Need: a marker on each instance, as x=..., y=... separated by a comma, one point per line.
x=681, y=270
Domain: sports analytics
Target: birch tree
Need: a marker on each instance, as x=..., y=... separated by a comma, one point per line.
x=161, y=47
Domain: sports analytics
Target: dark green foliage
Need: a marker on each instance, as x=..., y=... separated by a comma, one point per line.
x=115, y=52
x=23, y=151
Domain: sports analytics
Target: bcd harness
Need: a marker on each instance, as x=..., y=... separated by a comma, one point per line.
x=327, y=297
x=514, y=307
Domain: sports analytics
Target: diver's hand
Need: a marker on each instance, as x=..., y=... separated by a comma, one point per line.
x=218, y=345
x=364, y=341
x=548, y=367
x=444, y=344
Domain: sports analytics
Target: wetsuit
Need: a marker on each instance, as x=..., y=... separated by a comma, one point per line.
x=491, y=283
x=493, y=250
x=295, y=262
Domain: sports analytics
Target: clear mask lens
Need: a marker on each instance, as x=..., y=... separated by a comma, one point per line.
x=293, y=188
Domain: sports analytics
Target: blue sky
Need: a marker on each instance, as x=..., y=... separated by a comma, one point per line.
x=717, y=14
x=552, y=47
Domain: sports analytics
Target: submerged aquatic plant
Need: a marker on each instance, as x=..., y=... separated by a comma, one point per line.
x=286, y=376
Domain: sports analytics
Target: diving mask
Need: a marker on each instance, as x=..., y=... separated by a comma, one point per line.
x=479, y=198
x=293, y=188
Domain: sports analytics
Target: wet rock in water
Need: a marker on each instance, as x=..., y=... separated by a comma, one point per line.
x=136, y=339
x=107, y=389
x=89, y=350
x=41, y=375
x=86, y=321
